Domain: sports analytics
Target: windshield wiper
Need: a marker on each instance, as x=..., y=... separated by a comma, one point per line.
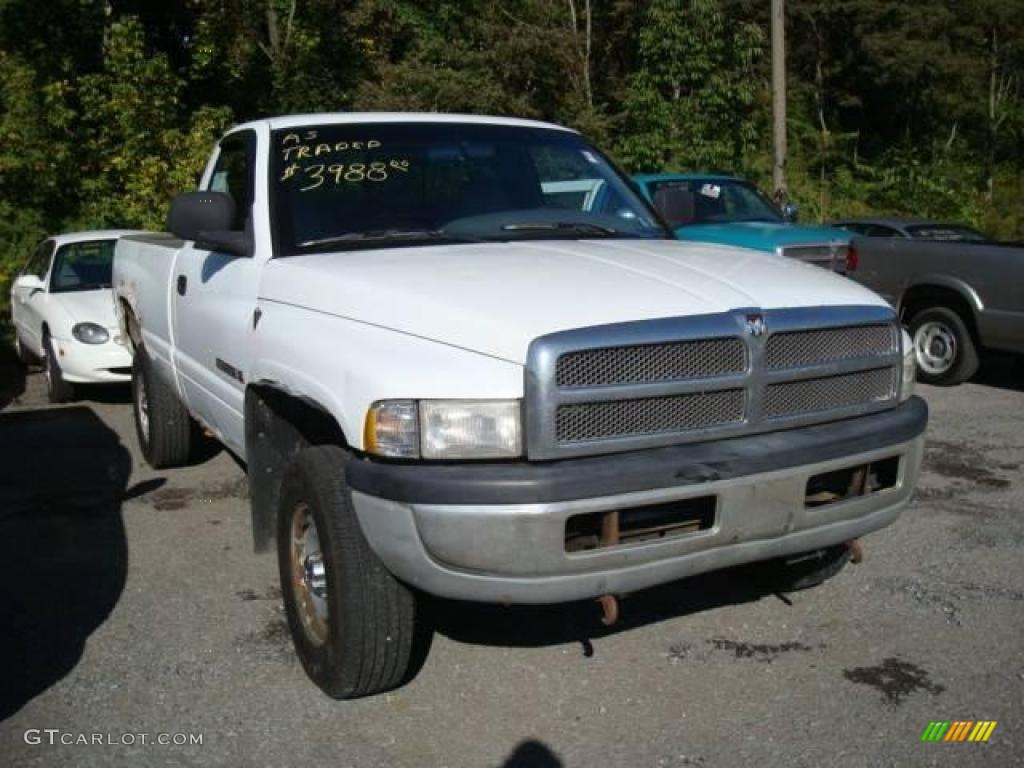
x=385, y=235
x=578, y=227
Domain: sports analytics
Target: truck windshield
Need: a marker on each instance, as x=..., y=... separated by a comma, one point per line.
x=684, y=202
x=393, y=184
x=82, y=266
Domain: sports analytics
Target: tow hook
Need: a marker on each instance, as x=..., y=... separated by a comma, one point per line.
x=609, y=609
x=856, y=550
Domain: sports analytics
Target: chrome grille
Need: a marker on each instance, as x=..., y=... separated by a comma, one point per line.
x=647, y=363
x=676, y=380
x=648, y=416
x=800, y=348
x=829, y=393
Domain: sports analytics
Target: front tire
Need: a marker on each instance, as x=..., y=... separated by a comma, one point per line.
x=353, y=623
x=57, y=389
x=162, y=425
x=944, y=347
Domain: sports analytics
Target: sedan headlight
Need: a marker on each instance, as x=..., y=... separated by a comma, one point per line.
x=909, y=367
x=444, y=429
x=90, y=333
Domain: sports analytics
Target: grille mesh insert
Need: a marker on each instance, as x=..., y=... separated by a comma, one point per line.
x=604, y=420
x=650, y=363
x=827, y=345
x=793, y=398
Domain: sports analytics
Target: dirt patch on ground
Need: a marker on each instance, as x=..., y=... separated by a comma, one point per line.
x=762, y=652
x=171, y=498
x=271, y=593
x=179, y=498
x=272, y=642
x=964, y=462
x=894, y=678
x=766, y=652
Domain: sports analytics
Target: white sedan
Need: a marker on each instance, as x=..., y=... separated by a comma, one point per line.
x=63, y=312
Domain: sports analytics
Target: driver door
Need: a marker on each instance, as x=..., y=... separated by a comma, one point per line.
x=214, y=297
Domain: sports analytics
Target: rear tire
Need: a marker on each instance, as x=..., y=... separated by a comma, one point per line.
x=57, y=389
x=353, y=623
x=162, y=425
x=806, y=570
x=944, y=347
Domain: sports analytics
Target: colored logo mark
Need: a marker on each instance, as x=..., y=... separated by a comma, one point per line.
x=959, y=730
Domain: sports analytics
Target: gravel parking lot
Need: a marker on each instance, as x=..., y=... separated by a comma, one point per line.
x=132, y=604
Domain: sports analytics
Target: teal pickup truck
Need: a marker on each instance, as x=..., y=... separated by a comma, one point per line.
x=715, y=208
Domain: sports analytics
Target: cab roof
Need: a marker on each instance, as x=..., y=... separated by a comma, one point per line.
x=92, y=234
x=340, y=118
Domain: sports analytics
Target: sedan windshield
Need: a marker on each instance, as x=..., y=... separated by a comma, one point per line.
x=378, y=185
x=82, y=266
x=684, y=202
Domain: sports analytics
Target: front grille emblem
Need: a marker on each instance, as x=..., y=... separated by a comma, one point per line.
x=755, y=325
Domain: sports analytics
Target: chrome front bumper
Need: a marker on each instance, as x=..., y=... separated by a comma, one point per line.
x=515, y=552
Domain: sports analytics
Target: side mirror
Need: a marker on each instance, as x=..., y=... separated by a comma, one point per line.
x=790, y=212
x=30, y=283
x=207, y=218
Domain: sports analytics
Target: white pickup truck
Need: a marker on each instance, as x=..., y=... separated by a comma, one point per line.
x=445, y=377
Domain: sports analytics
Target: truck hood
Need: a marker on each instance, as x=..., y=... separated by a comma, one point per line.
x=762, y=235
x=87, y=306
x=495, y=298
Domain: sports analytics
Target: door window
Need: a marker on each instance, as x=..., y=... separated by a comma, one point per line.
x=233, y=175
x=876, y=230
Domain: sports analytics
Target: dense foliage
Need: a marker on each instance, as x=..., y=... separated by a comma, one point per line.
x=108, y=107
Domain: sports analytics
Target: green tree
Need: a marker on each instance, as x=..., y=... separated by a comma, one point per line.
x=691, y=102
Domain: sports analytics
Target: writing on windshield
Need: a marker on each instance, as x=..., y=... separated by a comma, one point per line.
x=341, y=185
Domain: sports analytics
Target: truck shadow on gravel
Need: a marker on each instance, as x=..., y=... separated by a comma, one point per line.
x=580, y=622
x=1002, y=371
x=12, y=379
x=63, y=553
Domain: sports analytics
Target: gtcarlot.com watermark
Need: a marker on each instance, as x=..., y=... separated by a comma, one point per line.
x=54, y=736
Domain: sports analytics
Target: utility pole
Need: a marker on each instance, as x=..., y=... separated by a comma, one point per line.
x=779, y=191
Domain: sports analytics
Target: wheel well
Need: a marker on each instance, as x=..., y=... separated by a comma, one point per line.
x=130, y=325
x=925, y=296
x=278, y=425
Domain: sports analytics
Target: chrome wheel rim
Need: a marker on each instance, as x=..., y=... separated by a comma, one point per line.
x=935, y=347
x=142, y=406
x=309, y=575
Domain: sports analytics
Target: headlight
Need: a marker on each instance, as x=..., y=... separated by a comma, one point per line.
x=444, y=429
x=90, y=333
x=909, y=367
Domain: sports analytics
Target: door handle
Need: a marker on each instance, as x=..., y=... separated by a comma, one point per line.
x=182, y=285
